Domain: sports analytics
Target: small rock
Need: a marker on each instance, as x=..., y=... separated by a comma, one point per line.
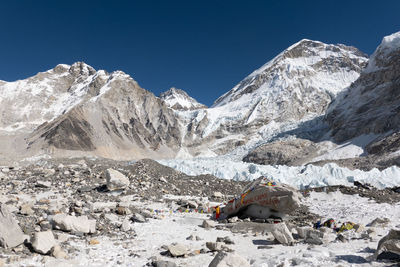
x=94, y=242
x=137, y=217
x=43, y=184
x=233, y=219
x=177, y=250
x=126, y=225
x=43, y=242
x=208, y=224
x=26, y=209
x=215, y=246
x=224, y=259
x=160, y=263
x=58, y=253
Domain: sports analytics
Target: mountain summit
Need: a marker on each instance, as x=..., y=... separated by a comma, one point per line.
x=180, y=100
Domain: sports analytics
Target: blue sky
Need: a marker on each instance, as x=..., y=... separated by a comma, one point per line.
x=203, y=47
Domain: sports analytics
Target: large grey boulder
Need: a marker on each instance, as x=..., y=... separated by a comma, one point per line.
x=282, y=234
x=116, y=180
x=389, y=246
x=224, y=259
x=74, y=224
x=263, y=192
x=11, y=234
x=43, y=242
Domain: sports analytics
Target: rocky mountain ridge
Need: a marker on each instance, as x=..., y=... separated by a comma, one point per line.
x=77, y=111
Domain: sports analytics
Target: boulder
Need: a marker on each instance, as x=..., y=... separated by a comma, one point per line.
x=282, y=234
x=74, y=224
x=224, y=259
x=43, y=242
x=137, y=217
x=266, y=195
x=11, y=234
x=116, y=180
x=389, y=247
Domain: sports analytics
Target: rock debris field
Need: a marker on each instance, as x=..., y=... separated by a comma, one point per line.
x=92, y=212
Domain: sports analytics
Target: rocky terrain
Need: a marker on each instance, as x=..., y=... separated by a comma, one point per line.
x=92, y=212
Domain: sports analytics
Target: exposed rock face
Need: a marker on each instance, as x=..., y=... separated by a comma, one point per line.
x=371, y=104
x=179, y=100
x=113, y=117
x=287, y=152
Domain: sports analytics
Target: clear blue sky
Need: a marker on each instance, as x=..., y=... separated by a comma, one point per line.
x=203, y=47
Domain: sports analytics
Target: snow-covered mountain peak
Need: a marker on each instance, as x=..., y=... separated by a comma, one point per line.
x=180, y=100
x=304, y=65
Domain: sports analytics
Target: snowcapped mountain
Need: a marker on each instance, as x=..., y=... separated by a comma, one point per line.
x=295, y=86
x=83, y=111
x=179, y=100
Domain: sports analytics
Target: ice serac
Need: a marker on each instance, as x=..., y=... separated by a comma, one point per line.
x=297, y=85
x=372, y=103
x=179, y=100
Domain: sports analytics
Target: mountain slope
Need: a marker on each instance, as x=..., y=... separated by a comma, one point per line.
x=372, y=103
x=296, y=85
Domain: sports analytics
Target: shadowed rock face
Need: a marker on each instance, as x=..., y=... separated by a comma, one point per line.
x=287, y=152
x=372, y=103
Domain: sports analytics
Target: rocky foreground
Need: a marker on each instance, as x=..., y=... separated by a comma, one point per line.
x=103, y=213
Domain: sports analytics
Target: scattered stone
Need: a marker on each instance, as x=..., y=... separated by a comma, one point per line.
x=233, y=219
x=160, y=263
x=43, y=242
x=94, y=242
x=227, y=240
x=26, y=209
x=43, y=184
x=116, y=180
x=177, y=250
x=11, y=234
x=58, y=253
x=208, y=224
x=215, y=246
x=126, y=225
x=224, y=259
x=74, y=224
x=137, y=217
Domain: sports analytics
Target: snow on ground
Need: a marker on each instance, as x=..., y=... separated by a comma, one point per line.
x=176, y=227
x=299, y=177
